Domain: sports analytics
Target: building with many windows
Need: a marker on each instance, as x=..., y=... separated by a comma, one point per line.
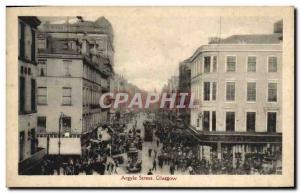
x=75, y=64
x=29, y=154
x=237, y=86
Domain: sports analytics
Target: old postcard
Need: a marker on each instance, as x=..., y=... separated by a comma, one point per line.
x=150, y=97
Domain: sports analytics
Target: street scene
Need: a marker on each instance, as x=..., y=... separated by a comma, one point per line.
x=88, y=107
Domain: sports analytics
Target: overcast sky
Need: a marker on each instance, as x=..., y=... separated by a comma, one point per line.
x=149, y=49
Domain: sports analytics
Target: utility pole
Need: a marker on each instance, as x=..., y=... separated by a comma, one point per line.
x=59, y=133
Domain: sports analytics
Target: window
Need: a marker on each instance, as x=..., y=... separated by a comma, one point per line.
x=42, y=95
x=250, y=122
x=210, y=64
x=42, y=68
x=230, y=121
x=207, y=64
x=251, y=66
x=66, y=124
x=32, y=141
x=271, y=121
x=67, y=96
x=206, y=91
x=210, y=91
x=205, y=121
x=272, y=64
x=83, y=97
x=33, y=97
x=230, y=91
x=214, y=91
x=215, y=63
x=64, y=45
x=33, y=45
x=22, y=94
x=22, y=40
x=67, y=65
x=272, y=92
x=231, y=63
x=22, y=70
x=251, y=91
x=41, y=124
x=21, y=145
x=214, y=120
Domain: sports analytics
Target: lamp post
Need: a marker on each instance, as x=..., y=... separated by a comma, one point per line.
x=59, y=132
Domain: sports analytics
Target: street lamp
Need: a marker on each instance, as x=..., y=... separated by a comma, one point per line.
x=59, y=131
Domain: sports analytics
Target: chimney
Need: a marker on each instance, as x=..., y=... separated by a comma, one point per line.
x=277, y=28
x=214, y=40
x=80, y=19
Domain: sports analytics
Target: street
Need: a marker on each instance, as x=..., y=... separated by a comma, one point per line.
x=147, y=161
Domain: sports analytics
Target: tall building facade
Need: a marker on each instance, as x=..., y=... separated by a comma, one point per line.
x=184, y=86
x=75, y=64
x=27, y=68
x=237, y=85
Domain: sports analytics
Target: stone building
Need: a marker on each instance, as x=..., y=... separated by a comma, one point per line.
x=29, y=154
x=75, y=64
x=184, y=86
x=237, y=83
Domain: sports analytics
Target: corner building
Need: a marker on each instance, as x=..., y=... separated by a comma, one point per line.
x=237, y=85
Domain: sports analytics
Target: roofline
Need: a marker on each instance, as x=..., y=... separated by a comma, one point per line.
x=199, y=49
x=30, y=20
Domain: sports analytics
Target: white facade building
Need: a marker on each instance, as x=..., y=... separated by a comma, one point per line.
x=75, y=66
x=237, y=84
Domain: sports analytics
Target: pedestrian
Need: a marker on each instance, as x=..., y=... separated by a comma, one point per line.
x=172, y=168
x=150, y=172
x=154, y=164
x=160, y=161
x=149, y=152
x=190, y=168
x=155, y=153
x=116, y=168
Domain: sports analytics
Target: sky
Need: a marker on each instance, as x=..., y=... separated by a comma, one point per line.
x=148, y=50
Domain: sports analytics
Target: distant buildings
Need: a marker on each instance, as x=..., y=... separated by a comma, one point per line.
x=119, y=84
x=75, y=64
x=29, y=154
x=173, y=84
x=184, y=86
x=172, y=87
x=237, y=84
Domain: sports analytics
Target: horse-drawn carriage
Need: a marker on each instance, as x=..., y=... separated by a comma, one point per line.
x=134, y=160
x=148, y=127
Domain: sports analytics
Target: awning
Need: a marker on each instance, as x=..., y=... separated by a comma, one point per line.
x=69, y=146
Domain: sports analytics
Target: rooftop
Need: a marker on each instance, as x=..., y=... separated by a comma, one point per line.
x=275, y=38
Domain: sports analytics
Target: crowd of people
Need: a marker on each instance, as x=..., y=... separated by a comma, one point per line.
x=172, y=148
x=180, y=154
x=101, y=156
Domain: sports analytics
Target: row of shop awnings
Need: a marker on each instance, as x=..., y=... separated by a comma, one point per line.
x=70, y=146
